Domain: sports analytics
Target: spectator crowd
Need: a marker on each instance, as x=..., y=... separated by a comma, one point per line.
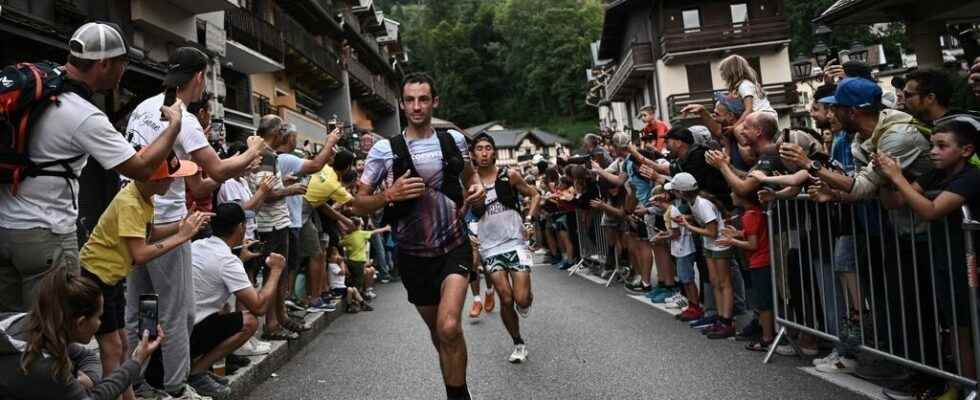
x=238, y=241
x=696, y=217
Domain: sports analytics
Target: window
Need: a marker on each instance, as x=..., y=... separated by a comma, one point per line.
x=740, y=14
x=754, y=62
x=692, y=20
x=699, y=79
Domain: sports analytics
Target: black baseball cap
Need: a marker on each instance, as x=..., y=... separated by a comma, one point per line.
x=186, y=62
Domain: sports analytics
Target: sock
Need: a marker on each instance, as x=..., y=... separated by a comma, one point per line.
x=477, y=298
x=457, y=392
x=488, y=291
x=518, y=340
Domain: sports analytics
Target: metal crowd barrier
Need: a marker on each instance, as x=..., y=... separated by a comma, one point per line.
x=916, y=283
x=593, y=244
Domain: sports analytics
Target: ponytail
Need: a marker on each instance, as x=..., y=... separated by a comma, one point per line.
x=62, y=297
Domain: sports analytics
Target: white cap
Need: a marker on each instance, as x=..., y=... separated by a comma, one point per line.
x=537, y=158
x=683, y=182
x=97, y=41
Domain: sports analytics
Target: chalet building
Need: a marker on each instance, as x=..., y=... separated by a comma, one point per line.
x=517, y=145
x=666, y=53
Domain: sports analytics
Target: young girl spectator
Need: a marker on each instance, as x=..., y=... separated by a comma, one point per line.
x=682, y=248
x=754, y=240
x=338, y=285
x=709, y=226
x=41, y=352
x=743, y=83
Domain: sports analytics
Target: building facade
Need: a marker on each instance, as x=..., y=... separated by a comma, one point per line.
x=519, y=145
x=666, y=53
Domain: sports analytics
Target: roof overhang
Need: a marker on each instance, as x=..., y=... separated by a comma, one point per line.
x=669, y=58
x=614, y=26
x=861, y=12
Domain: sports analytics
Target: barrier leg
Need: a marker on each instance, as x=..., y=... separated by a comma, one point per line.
x=775, y=343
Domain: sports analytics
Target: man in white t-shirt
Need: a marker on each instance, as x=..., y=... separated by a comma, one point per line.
x=37, y=221
x=219, y=274
x=170, y=274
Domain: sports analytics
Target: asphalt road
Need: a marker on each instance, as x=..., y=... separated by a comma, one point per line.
x=585, y=341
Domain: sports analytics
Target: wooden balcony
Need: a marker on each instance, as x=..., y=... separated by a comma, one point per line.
x=782, y=96
x=633, y=71
x=369, y=89
x=715, y=37
x=318, y=16
x=307, y=58
x=245, y=28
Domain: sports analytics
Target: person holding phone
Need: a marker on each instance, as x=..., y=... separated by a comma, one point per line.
x=218, y=275
x=42, y=352
x=121, y=241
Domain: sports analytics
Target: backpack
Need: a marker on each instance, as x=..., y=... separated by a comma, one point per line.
x=26, y=90
x=506, y=195
x=452, y=172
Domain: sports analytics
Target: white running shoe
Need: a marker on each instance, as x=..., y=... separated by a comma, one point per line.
x=840, y=366
x=369, y=294
x=253, y=347
x=523, y=312
x=519, y=355
x=830, y=359
x=677, y=301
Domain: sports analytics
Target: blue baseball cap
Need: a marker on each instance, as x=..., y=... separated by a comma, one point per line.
x=855, y=92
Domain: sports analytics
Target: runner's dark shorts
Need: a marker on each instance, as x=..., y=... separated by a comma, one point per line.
x=113, y=304
x=761, y=292
x=213, y=330
x=423, y=276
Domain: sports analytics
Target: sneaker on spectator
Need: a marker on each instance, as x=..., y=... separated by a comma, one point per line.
x=253, y=347
x=829, y=359
x=717, y=325
x=678, y=302
x=657, y=290
x=662, y=297
x=292, y=305
x=723, y=331
x=751, y=332
x=704, y=321
x=386, y=280
x=223, y=380
x=638, y=288
x=146, y=392
x=841, y=365
x=204, y=385
x=788, y=350
x=519, y=355
x=319, y=306
x=476, y=309
x=692, y=313
x=189, y=393
x=369, y=294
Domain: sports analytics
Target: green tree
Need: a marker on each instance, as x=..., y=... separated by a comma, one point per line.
x=801, y=14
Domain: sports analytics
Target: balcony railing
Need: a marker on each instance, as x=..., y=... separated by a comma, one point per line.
x=244, y=27
x=638, y=60
x=780, y=95
x=318, y=16
x=306, y=46
x=371, y=84
x=724, y=35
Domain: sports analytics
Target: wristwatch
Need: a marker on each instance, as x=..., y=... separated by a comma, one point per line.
x=814, y=167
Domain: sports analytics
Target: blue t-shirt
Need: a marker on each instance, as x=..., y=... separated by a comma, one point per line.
x=436, y=226
x=289, y=164
x=641, y=186
x=840, y=152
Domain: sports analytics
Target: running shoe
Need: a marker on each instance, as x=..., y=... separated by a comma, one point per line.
x=677, y=302
x=723, y=331
x=254, y=347
x=369, y=294
x=319, y=306
x=293, y=305
x=703, y=322
x=692, y=313
x=476, y=309
x=639, y=288
x=488, y=303
x=519, y=355
x=829, y=359
x=663, y=296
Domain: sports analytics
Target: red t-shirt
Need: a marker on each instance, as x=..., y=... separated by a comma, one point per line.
x=754, y=223
x=659, y=128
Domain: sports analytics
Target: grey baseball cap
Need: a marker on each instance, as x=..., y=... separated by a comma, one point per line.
x=97, y=41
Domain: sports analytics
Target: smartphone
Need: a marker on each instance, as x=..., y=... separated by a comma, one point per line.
x=169, y=98
x=148, y=314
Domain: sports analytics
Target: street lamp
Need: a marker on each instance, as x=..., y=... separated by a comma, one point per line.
x=821, y=52
x=802, y=68
x=859, y=52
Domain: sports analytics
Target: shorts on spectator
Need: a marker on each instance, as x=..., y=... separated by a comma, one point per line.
x=685, y=267
x=355, y=275
x=213, y=330
x=637, y=228
x=309, y=240
x=340, y=292
x=276, y=241
x=719, y=254
x=423, y=276
x=761, y=293
x=845, y=254
x=113, y=304
x=559, y=222
x=510, y=261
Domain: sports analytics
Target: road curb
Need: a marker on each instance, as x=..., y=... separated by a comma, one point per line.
x=262, y=367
